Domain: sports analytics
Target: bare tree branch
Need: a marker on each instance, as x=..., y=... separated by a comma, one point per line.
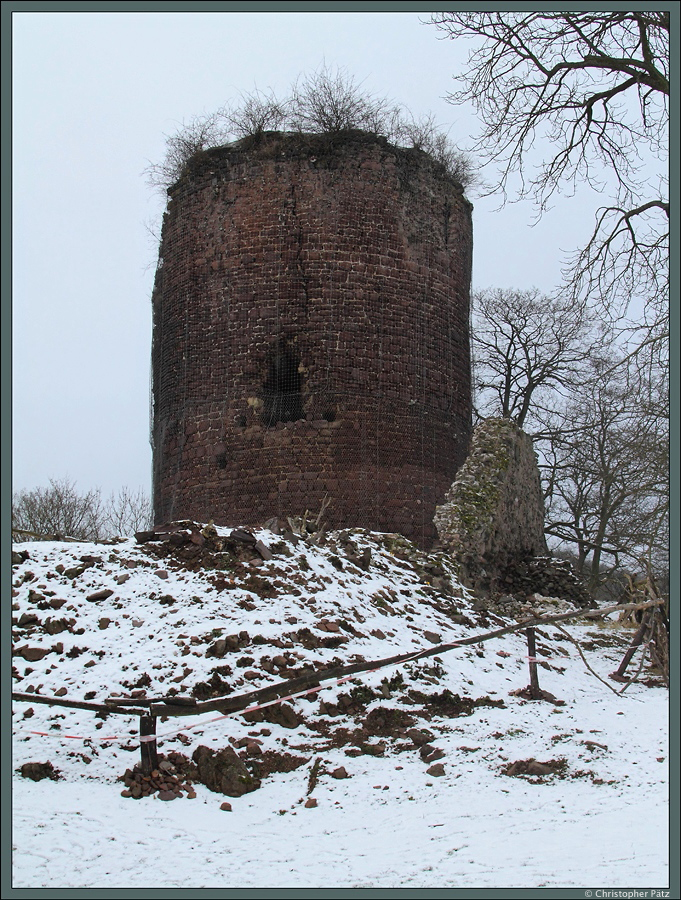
x=570, y=99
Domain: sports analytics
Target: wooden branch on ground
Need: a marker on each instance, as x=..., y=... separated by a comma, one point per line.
x=78, y=704
x=286, y=688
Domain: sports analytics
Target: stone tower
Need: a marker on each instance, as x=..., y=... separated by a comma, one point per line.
x=310, y=334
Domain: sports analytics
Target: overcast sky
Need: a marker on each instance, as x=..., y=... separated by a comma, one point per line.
x=94, y=94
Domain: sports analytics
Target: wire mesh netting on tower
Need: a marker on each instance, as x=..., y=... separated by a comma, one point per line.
x=311, y=335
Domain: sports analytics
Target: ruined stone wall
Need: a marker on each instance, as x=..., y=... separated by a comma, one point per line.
x=311, y=335
x=492, y=518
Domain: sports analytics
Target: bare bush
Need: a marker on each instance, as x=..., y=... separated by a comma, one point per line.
x=200, y=133
x=328, y=101
x=61, y=511
x=426, y=135
x=258, y=112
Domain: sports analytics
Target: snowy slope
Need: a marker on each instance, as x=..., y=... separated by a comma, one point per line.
x=218, y=620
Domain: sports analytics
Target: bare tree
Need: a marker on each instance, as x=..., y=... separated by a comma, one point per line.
x=606, y=475
x=600, y=433
x=573, y=98
x=127, y=512
x=526, y=347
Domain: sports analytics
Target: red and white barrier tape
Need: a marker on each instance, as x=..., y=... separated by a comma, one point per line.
x=149, y=738
x=74, y=737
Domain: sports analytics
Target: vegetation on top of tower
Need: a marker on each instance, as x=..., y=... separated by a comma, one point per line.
x=324, y=102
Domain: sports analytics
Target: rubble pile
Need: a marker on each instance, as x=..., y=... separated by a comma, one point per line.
x=188, y=613
x=546, y=576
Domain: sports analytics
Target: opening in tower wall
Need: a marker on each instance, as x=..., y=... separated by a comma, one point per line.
x=281, y=393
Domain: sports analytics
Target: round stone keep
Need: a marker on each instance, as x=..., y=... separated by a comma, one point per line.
x=310, y=335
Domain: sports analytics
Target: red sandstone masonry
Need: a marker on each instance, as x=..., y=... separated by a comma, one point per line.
x=354, y=256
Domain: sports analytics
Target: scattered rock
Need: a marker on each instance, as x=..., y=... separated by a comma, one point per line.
x=37, y=771
x=32, y=654
x=218, y=648
x=264, y=551
x=429, y=753
x=224, y=772
x=75, y=571
x=226, y=807
x=340, y=772
x=245, y=537
x=420, y=736
x=278, y=714
x=310, y=803
x=437, y=770
x=56, y=626
x=374, y=749
x=166, y=781
x=533, y=767
x=100, y=595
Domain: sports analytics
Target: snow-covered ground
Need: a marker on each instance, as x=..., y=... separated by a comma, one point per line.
x=598, y=818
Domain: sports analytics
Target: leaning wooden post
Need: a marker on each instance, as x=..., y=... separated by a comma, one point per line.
x=635, y=644
x=535, y=691
x=148, y=748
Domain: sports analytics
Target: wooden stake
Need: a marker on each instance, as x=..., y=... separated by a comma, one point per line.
x=148, y=749
x=535, y=691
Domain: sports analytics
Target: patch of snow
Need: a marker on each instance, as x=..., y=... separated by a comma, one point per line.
x=602, y=820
